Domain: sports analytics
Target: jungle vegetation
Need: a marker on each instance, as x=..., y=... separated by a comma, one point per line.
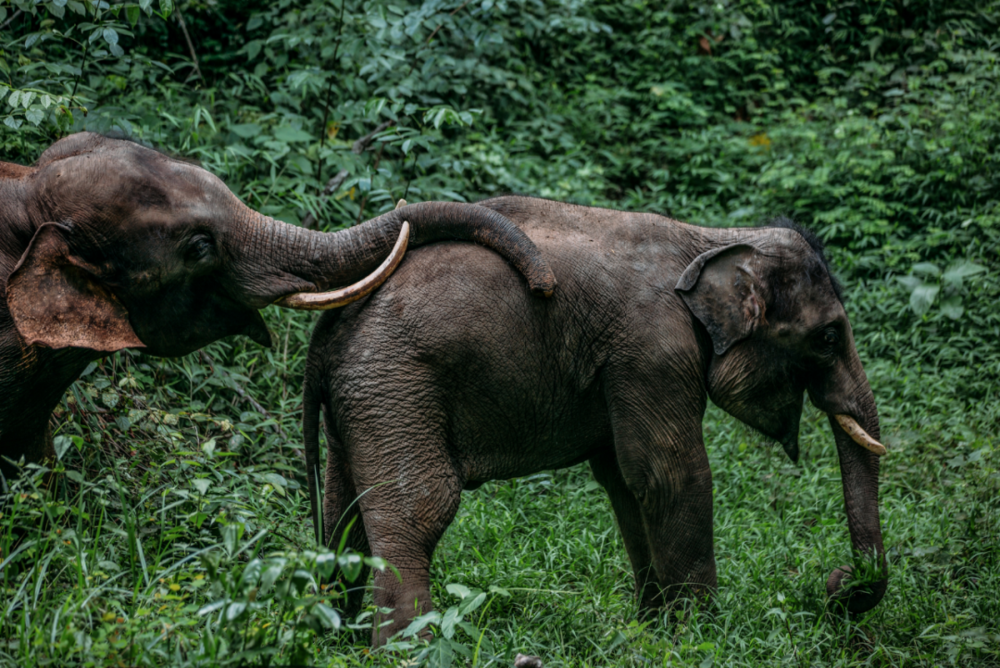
x=178, y=532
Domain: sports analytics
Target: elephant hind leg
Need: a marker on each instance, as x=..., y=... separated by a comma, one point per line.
x=409, y=504
x=629, y=515
x=342, y=522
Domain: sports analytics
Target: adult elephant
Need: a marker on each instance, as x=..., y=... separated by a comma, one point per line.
x=442, y=381
x=106, y=244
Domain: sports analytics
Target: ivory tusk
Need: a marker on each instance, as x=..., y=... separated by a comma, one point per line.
x=400, y=204
x=859, y=435
x=323, y=301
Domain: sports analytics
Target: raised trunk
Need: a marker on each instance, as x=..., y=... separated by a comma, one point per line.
x=278, y=259
x=860, y=588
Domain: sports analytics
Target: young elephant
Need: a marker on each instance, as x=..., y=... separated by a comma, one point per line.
x=106, y=244
x=447, y=378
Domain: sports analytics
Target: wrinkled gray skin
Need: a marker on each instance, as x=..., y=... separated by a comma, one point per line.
x=436, y=384
x=106, y=244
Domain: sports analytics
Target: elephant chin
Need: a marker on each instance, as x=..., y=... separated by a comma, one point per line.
x=257, y=331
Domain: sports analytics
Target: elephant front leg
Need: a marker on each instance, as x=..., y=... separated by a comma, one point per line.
x=665, y=467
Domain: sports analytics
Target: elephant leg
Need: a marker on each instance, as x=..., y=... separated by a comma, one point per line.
x=405, y=517
x=629, y=515
x=656, y=421
x=675, y=497
x=341, y=514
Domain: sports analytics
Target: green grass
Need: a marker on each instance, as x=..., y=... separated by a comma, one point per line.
x=109, y=566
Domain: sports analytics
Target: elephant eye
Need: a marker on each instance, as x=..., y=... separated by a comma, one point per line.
x=831, y=336
x=200, y=248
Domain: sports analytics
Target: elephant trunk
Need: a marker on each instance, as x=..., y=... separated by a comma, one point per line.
x=860, y=590
x=281, y=259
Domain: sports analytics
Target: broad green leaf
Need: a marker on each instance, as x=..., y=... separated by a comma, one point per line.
x=235, y=610
x=923, y=297
x=458, y=590
x=272, y=572
x=289, y=134
x=440, y=654
x=448, y=621
x=211, y=607
x=35, y=115
x=951, y=306
x=926, y=269
x=253, y=49
x=250, y=574
x=327, y=615
x=470, y=604
x=246, y=130
x=133, y=12
x=375, y=106
x=166, y=7
x=201, y=484
x=231, y=537
x=61, y=444
x=351, y=565
x=420, y=623
x=276, y=479
x=956, y=272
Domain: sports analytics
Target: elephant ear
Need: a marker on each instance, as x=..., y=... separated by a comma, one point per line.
x=722, y=289
x=58, y=301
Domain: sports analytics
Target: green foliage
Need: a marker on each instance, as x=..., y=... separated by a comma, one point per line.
x=876, y=124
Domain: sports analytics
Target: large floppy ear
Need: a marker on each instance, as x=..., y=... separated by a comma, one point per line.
x=723, y=290
x=57, y=300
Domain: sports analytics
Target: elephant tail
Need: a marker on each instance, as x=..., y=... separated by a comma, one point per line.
x=312, y=397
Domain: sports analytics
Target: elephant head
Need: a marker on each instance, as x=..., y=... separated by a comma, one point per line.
x=132, y=248
x=779, y=330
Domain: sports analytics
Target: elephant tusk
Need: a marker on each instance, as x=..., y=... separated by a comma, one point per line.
x=322, y=301
x=859, y=435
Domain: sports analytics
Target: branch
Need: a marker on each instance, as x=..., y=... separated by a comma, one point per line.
x=12, y=18
x=309, y=221
x=453, y=12
x=361, y=145
x=187, y=38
